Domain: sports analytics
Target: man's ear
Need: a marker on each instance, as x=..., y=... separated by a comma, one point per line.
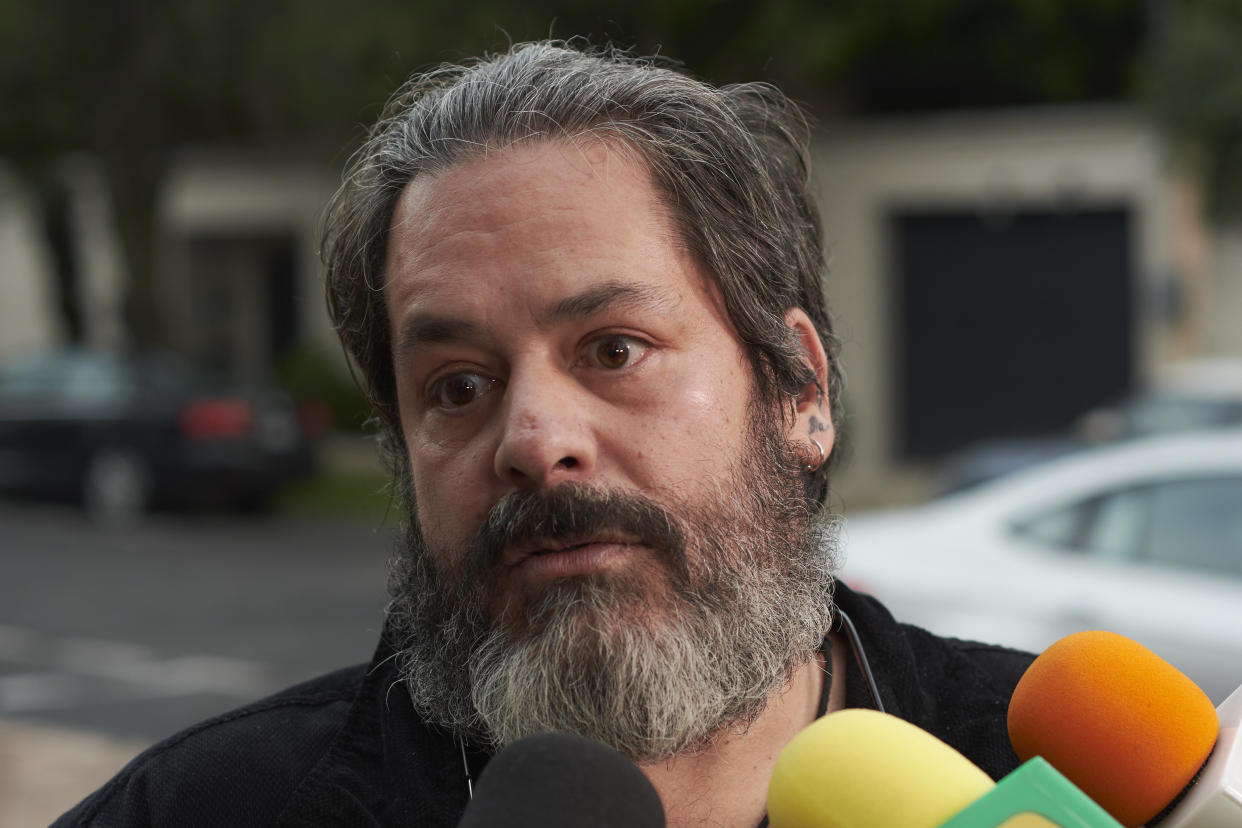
x=813, y=416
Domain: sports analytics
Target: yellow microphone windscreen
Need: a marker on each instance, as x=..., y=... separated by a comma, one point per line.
x=861, y=767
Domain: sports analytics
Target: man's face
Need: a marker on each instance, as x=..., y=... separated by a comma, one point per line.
x=549, y=329
x=589, y=459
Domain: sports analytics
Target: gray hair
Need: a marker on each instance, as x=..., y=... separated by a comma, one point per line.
x=731, y=162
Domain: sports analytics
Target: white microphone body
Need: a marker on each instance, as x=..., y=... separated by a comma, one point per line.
x=1215, y=798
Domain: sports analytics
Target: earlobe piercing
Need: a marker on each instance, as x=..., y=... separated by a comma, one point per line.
x=822, y=457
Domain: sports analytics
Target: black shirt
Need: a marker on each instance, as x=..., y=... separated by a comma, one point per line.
x=348, y=748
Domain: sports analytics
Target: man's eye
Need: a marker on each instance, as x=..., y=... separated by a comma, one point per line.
x=457, y=390
x=615, y=352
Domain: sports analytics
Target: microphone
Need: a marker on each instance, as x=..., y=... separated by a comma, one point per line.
x=559, y=780
x=1137, y=735
x=1215, y=801
x=865, y=768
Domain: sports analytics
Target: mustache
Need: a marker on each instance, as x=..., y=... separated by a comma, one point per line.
x=569, y=511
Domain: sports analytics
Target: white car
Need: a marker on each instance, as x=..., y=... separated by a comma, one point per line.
x=1184, y=396
x=1143, y=538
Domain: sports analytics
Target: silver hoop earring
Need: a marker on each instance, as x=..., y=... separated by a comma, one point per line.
x=822, y=456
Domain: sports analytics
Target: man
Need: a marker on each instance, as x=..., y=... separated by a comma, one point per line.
x=585, y=294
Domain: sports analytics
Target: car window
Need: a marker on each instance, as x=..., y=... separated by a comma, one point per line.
x=1198, y=523
x=1112, y=525
x=96, y=381
x=32, y=379
x=66, y=381
x=1157, y=413
x=170, y=376
x=1059, y=527
x=1119, y=525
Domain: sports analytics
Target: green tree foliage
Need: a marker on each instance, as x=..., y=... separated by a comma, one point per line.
x=1194, y=85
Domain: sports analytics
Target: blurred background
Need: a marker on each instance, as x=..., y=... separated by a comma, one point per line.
x=1034, y=215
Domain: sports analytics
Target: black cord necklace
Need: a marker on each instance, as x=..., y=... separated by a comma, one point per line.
x=844, y=624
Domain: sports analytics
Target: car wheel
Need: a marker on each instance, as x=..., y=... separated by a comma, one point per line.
x=117, y=487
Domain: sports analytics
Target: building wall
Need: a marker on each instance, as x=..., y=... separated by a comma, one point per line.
x=27, y=304
x=224, y=219
x=993, y=161
x=30, y=314
x=104, y=276
x=1222, y=311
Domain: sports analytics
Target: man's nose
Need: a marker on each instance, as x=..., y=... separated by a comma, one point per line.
x=547, y=437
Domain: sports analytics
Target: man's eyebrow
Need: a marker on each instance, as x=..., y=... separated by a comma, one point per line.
x=423, y=329
x=609, y=295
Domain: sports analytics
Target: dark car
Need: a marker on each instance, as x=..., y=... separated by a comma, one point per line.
x=124, y=433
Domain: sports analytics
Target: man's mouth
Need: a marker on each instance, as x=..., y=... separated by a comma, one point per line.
x=546, y=559
x=515, y=554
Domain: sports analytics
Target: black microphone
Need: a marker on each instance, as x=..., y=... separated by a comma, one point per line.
x=558, y=780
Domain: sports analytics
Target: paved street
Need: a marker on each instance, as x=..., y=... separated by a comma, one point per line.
x=119, y=638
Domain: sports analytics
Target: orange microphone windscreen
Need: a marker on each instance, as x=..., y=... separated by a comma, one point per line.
x=1121, y=723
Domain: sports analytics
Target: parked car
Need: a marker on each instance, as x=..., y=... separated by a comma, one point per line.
x=1195, y=394
x=1142, y=537
x=125, y=433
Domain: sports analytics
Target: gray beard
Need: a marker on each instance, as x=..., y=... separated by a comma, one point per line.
x=652, y=666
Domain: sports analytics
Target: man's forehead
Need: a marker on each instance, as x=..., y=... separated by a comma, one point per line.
x=530, y=186
x=594, y=202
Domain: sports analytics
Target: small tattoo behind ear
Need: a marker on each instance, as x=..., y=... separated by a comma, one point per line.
x=817, y=425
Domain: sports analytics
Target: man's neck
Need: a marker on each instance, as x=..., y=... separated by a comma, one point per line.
x=727, y=784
